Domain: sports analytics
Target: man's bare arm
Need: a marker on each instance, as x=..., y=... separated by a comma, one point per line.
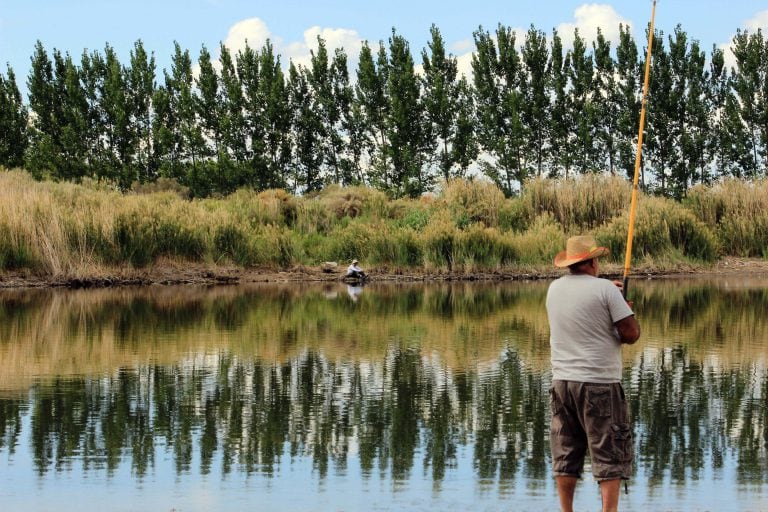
x=628, y=329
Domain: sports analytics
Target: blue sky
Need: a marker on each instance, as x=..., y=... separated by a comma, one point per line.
x=292, y=25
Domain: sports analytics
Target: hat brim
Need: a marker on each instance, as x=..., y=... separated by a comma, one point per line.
x=562, y=260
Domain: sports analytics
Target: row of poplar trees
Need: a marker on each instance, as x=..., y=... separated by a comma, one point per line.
x=529, y=108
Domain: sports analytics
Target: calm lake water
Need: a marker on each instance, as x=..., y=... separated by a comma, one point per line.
x=389, y=397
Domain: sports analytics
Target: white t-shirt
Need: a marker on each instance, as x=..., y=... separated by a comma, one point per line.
x=584, y=343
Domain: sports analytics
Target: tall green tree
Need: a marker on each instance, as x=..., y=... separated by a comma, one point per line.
x=749, y=82
x=254, y=132
x=74, y=114
x=140, y=88
x=536, y=93
x=661, y=113
x=119, y=135
x=332, y=94
x=582, y=104
x=185, y=138
x=698, y=119
x=343, y=129
x=234, y=153
x=679, y=58
x=45, y=133
x=607, y=99
x=276, y=119
x=372, y=110
x=92, y=73
x=464, y=146
x=13, y=122
x=730, y=141
x=208, y=110
x=498, y=76
x=448, y=127
x=405, y=124
x=629, y=80
x=308, y=132
x=560, y=113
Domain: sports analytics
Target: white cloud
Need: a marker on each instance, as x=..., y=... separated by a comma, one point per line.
x=253, y=31
x=335, y=38
x=256, y=32
x=463, y=46
x=588, y=18
x=464, y=64
x=464, y=60
x=759, y=21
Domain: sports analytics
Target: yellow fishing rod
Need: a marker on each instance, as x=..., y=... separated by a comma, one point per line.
x=638, y=157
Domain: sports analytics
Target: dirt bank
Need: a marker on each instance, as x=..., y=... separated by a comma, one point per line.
x=173, y=273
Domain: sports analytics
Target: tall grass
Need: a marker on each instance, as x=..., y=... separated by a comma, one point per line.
x=665, y=231
x=68, y=229
x=578, y=204
x=739, y=212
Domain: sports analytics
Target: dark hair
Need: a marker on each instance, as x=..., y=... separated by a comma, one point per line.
x=577, y=266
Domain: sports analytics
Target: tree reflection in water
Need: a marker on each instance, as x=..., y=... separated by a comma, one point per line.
x=252, y=379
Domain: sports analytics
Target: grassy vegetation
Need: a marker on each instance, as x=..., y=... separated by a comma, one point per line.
x=72, y=230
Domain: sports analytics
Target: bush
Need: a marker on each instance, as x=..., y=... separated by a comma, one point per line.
x=664, y=230
x=540, y=243
x=473, y=201
x=15, y=253
x=579, y=204
x=231, y=242
x=439, y=240
x=351, y=241
x=738, y=210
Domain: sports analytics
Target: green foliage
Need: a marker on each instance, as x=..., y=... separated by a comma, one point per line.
x=353, y=241
x=473, y=201
x=65, y=228
x=737, y=210
x=480, y=247
x=13, y=122
x=539, y=244
x=15, y=253
x=440, y=239
x=140, y=239
x=533, y=108
x=663, y=229
x=578, y=204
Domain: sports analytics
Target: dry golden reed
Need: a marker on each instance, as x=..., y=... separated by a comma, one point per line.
x=65, y=229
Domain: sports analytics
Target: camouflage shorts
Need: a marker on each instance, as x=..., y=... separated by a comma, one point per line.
x=592, y=417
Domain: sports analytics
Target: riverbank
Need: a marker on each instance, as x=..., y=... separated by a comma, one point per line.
x=174, y=273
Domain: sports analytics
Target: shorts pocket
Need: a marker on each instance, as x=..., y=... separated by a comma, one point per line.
x=598, y=401
x=555, y=405
x=622, y=442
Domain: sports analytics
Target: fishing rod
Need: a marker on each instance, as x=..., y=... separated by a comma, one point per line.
x=638, y=157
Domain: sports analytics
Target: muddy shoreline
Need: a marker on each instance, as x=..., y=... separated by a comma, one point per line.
x=195, y=274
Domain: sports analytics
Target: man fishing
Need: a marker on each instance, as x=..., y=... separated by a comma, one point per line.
x=355, y=272
x=589, y=320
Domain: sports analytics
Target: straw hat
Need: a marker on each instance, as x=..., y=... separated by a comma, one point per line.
x=578, y=249
x=354, y=262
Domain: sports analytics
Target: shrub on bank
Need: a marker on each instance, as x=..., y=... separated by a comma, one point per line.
x=738, y=211
x=578, y=204
x=63, y=228
x=664, y=230
x=472, y=201
x=540, y=243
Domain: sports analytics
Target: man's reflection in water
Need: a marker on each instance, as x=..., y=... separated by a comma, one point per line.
x=354, y=292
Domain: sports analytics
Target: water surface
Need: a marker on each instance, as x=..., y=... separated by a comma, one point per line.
x=388, y=397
